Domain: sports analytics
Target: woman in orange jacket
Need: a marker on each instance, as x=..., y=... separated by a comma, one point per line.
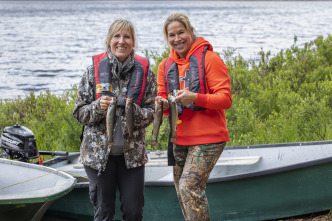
x=199, y=81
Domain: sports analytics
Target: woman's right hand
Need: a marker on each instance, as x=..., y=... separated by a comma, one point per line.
x=165, y=102
x=105, y=102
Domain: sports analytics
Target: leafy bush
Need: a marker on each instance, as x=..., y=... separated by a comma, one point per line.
x=48, y=116
x=286, y=98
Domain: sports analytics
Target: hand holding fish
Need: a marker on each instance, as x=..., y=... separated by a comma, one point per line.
x=165, y=102
x=185, y=97
x=105, y=102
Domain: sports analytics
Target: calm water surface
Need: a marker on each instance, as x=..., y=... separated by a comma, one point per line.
x=46, y=45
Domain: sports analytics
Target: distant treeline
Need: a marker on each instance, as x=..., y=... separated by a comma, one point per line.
x=278, y=99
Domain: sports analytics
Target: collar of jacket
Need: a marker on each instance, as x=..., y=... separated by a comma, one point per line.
x=121, y=69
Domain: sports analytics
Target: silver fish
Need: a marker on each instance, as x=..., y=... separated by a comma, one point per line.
x=173, y=111
x=157, y=121
x=110, y=121
x=130, y=119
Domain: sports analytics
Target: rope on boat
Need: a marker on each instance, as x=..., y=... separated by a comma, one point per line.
x=28, y=180
x=74, y=174
x=1, y=188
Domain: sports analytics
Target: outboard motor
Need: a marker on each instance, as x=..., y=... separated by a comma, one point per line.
x=19, y=143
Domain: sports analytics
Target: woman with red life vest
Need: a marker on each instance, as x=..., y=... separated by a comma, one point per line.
x=199, y=80
x=116, y=162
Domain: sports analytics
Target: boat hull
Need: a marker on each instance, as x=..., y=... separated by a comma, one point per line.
x=24, y=211
x=277, y=192
x=282, y=194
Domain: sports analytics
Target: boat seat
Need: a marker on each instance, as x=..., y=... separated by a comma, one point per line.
x=168, y=177
x=223, y=161
x=245, y=160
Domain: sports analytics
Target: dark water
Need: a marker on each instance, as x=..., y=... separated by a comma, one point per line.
x=46, y=45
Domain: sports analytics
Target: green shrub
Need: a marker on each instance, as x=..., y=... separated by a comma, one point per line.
x=288, y=95
x=48, y=116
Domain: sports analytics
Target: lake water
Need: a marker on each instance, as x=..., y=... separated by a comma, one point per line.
x=46, y=45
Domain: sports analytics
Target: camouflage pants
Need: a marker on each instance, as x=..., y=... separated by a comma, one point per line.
x=191, y=172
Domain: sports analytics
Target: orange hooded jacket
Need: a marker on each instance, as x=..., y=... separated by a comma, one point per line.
x=204, y=126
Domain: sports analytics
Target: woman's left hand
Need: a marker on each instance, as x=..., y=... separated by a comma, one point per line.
x=185, y=97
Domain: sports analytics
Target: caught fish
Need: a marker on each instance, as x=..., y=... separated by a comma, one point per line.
x=110, y=121
x=173, y=111
x=158, y=120
x=130, y=118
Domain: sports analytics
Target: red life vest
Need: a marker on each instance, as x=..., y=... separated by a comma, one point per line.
x=103, y=76
x=195, y=76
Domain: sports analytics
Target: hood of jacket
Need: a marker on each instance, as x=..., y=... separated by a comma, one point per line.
x=197, y=43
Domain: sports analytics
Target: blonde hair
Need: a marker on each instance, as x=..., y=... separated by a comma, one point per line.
x=183, y=19
x=116, y=26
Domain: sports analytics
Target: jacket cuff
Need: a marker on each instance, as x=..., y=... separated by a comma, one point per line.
x=201, y=100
